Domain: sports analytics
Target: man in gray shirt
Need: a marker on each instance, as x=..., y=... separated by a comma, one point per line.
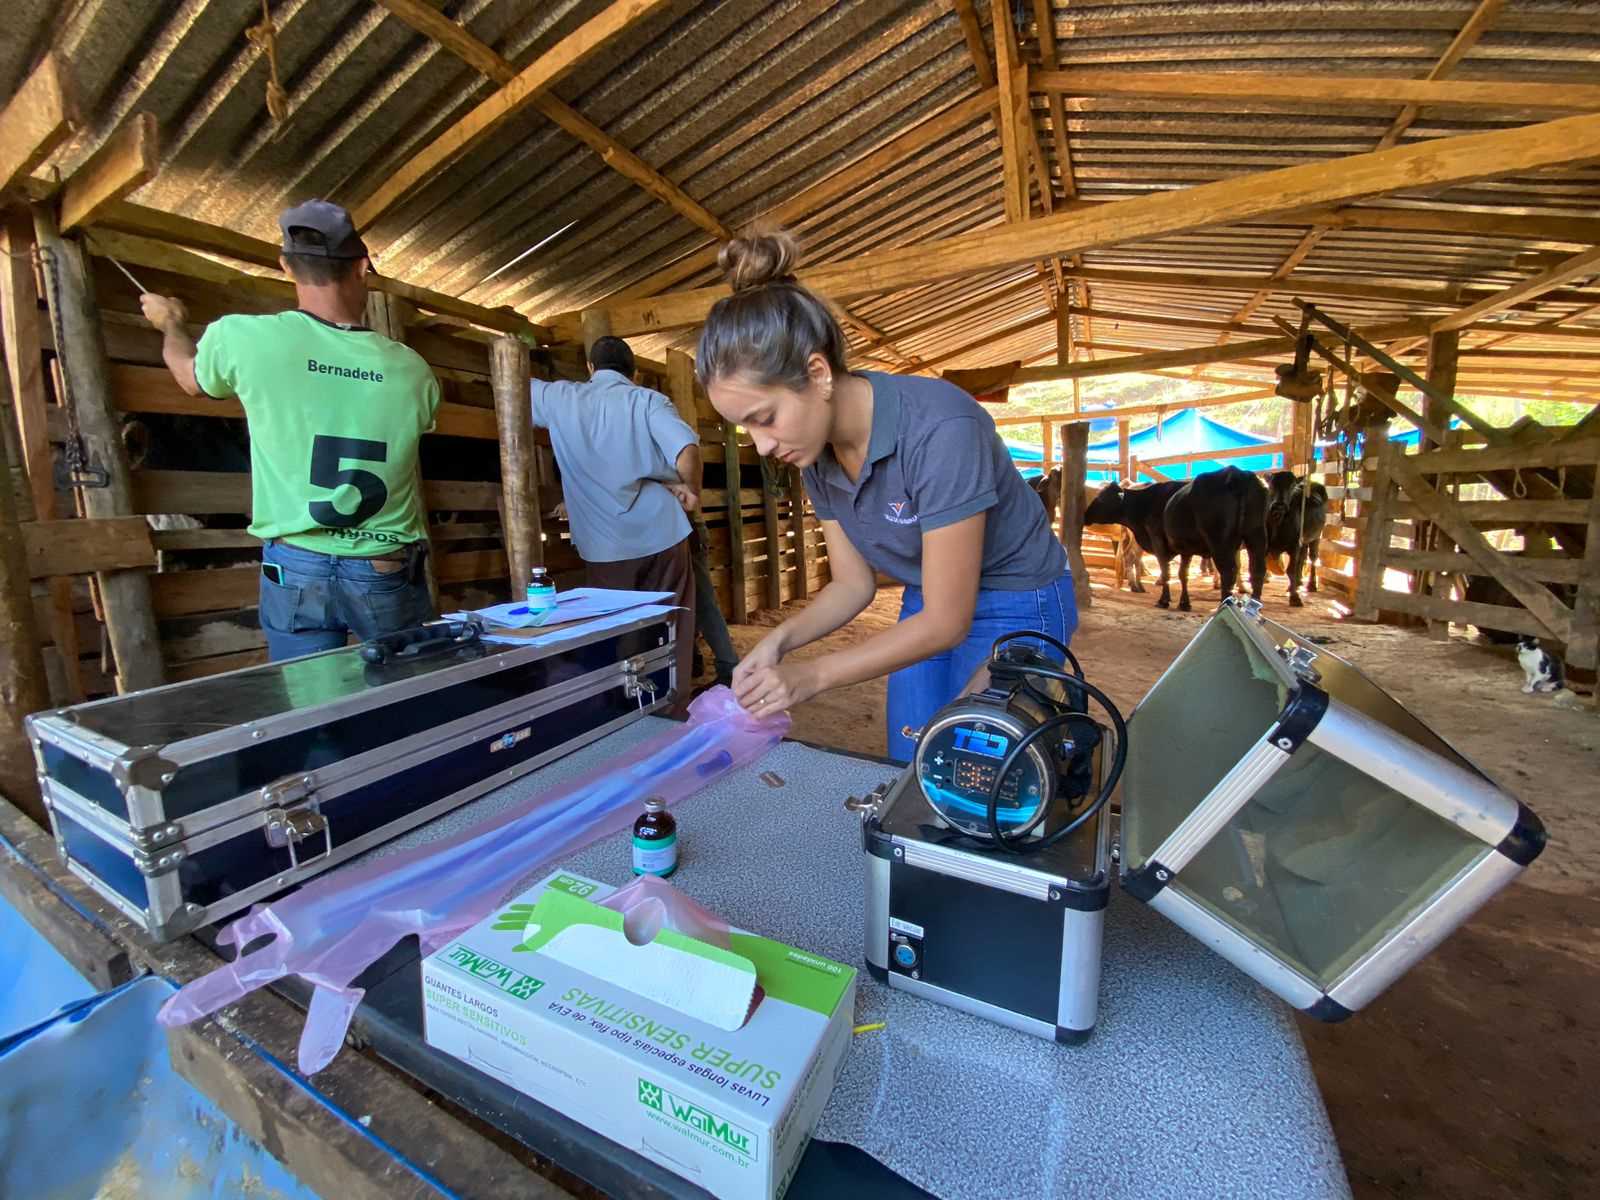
x=630, y=475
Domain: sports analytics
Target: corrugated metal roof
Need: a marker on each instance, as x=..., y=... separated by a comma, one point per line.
x=746, y=104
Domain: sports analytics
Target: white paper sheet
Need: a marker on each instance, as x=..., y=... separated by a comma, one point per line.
x=608, y=621
x=576, y=604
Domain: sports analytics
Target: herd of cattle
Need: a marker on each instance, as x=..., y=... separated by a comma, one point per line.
x=1213, y=516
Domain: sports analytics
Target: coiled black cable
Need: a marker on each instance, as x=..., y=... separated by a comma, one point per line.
x=1019, y=843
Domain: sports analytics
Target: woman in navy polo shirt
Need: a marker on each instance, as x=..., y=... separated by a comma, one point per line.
x=908, y=477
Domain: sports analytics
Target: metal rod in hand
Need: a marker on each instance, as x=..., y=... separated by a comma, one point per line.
x=128, y=273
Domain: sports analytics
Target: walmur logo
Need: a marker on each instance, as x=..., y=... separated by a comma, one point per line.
x=687, y=1112
x=514, y=983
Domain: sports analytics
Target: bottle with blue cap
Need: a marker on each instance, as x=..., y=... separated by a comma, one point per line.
x=541, y=595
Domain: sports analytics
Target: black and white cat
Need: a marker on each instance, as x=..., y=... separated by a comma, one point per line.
x=1541, y=667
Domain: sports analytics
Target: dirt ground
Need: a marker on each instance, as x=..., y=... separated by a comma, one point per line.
x=1466, y=1079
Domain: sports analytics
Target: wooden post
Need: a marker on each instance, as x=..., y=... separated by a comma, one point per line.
x=1444, y=351
x=1583, y=647
x=797, y=522
x=389, y=315
x=769, y=518
x=680, y=387
x=23, y=687
x=1074, y=482
x=739, y=609
x=1379, y=516
x=19, y=329
x=1125, y=451
x=596, y=324
x=519, y=471
x=1300, y=452
x=1048, y=442
x=129, y=613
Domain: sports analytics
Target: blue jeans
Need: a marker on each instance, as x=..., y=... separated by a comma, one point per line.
x=325, y=597
x=920, y=690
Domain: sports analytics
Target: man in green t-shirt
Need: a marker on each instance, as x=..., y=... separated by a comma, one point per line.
x=336, y=412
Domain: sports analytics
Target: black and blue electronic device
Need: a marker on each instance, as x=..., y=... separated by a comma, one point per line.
x=988, y=859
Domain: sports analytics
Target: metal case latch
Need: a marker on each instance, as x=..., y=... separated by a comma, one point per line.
x=868, y=805
x=636, y=684
x=1300, y=659
x=287, y=827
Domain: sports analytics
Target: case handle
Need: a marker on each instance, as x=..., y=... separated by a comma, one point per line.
x=432, y=637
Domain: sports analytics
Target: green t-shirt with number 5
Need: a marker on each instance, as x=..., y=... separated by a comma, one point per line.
x=335, y=414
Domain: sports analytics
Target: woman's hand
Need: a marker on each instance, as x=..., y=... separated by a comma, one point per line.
x=767, y=654
x=766, y=690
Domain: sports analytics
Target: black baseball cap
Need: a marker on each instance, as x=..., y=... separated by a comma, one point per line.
x=322, y=228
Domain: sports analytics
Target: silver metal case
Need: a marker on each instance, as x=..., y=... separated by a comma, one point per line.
x=1289, y=813
x=184, y=804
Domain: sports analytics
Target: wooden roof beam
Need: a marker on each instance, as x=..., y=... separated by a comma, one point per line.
x=1235, y=351
x=36, y=121
x=1133, y=318
x=1018, y=144
x=517, y=95
x=483, y=58
x=976, y=50
x=1013, y=80
x=869, y=166
x=1475, y=27
x=1320, y=90
x=1574, y=231
x=1550, y=328
x=170, y=230
x=1578, y=266
x=129, y=159
x=1437, y=296
x=1044, y=21
x=1138, y=410
x=1441, y=162
x=433, y=24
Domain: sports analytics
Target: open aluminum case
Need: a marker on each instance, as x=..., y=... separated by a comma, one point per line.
x=1289, y=813
x=184, y=804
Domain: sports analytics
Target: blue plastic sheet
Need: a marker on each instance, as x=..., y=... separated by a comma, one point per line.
x=90, y=1106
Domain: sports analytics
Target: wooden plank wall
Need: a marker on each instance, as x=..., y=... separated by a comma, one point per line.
x=1544, y=545
x=753, y=508
x=206, y=579
x=1338, y=551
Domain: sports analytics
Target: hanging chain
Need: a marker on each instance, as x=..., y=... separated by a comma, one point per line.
x=77, y=470
x=264, y=37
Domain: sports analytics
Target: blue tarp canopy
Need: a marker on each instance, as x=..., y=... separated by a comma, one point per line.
x=1185, y=432
x=1412, y=435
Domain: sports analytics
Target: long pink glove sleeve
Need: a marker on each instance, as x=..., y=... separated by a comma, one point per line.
x=335, y=927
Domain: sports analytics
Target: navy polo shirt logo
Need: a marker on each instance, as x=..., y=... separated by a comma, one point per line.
x=897, y=513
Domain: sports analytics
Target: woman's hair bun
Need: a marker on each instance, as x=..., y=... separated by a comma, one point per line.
x=758, y=258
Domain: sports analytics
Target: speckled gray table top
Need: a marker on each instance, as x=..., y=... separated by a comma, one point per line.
x=1194, y=1083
